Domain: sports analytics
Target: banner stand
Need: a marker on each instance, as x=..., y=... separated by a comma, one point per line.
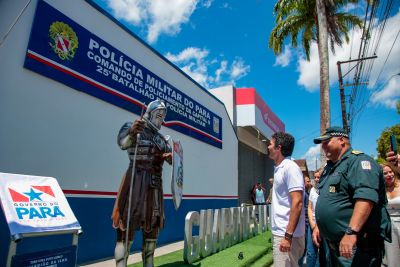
x=16, y=238
x=35, y=207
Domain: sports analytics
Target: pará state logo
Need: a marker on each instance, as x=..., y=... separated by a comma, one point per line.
x=35, y=202
x=64, y=41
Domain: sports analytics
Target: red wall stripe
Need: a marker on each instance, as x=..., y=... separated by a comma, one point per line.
x=102, y=193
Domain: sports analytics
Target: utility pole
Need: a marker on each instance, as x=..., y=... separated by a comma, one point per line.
x=342, y=103
x=341, y=88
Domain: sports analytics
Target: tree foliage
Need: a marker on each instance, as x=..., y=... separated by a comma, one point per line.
x=296, y=18
x=383, y=141
x=320, y=21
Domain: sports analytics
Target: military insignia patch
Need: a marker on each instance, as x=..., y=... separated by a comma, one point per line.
x=332, y=189
x=366, y=165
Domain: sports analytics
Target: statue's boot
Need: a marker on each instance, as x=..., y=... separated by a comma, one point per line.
x=121, y=254
x=149, y=245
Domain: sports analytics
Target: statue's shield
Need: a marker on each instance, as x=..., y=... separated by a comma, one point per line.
x=177, y=173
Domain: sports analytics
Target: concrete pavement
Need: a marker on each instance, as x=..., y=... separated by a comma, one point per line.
x=137, y=257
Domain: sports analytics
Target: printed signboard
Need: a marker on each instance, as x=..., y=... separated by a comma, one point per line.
x=34, y=204
x=63, y=50
x=60, y=257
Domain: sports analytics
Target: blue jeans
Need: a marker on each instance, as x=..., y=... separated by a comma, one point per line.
x=312, y=250
x=301, y=260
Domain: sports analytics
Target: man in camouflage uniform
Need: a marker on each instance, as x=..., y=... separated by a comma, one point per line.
x=146, y=211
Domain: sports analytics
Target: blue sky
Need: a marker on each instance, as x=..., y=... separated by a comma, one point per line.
x=226, y=42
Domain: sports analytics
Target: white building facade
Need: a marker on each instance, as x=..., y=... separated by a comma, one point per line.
x=71, y=75
x=255, y=123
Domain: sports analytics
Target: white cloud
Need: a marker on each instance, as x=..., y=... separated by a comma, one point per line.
x=284, y=58
x=349, y=8
x=192, y=61
x=197, y=73
x=391, y=66
x=129, y=10
x=207, y=3
x=167, y=16
x=221, y=70
x=239, y=69
x=158, y=16
x=389, y=95
x=309, y=71
x=311, y=155
x=188, y=54
x=196, y=63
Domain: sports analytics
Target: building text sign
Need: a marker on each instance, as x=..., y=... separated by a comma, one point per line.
x=63, y=50
x=222, y=228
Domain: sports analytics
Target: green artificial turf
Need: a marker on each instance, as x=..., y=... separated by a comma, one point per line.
x=265, y=261
x=257, y=251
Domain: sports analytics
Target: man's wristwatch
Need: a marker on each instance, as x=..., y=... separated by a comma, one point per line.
x=350, y=231
x=288, y=236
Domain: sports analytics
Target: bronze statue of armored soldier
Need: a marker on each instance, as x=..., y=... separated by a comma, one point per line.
x=140, y=204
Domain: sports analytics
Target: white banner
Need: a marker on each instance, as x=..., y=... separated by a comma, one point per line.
x=34, y=204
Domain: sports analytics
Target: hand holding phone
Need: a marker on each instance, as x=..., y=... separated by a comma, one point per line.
x=393, y=144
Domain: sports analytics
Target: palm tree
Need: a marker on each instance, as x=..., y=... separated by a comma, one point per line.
x=314, y=20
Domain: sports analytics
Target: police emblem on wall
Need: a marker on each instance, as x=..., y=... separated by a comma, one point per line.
x=177, y=173
x=63, y=40
x=216, y=125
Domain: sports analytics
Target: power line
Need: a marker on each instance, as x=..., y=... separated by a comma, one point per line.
x=390, y=51
x=374, y=89
x=315, y=132
x=13, y=24
x=351, y=46
x=369, y=46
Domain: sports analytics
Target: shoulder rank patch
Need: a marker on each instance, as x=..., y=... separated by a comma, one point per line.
x=366, y=165
x=356, y=152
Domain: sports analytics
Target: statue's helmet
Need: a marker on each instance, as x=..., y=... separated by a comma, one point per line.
x=155, y=114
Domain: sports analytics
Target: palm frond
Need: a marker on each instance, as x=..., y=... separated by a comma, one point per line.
x=294, y=17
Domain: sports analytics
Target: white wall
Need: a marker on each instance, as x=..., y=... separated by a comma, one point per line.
x=246, y=115
x=227, y=94
x=50, y=129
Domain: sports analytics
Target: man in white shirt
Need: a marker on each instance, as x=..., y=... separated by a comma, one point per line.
x=288, y=221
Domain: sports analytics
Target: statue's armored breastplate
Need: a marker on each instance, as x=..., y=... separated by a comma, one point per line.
x=149, y=151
